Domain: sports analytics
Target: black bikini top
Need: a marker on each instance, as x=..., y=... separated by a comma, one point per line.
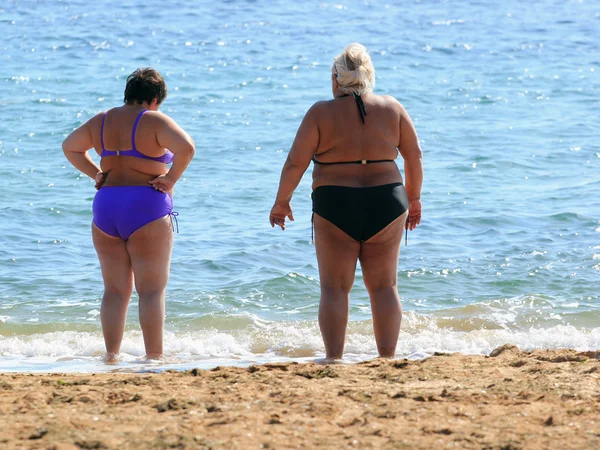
x=362, y=110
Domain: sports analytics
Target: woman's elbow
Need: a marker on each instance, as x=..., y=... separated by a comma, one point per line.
x=190, y=149
x=414, y=156
x=297, y=163
x=418, y=155
x=65, y=146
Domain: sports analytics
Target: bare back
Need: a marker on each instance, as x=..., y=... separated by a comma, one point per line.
x=343, y=137
x=118, y=126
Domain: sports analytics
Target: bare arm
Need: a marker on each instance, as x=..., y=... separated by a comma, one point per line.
x=304, y=147
x=75, y=148
x=413, y=167
x=171, y=136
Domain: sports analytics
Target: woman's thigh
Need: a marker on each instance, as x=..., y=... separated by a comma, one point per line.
x=379, y=256
x=114, y=262
x=150, y=249
x=337, y=255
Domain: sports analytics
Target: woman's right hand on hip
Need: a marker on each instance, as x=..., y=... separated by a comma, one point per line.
x=163, y=184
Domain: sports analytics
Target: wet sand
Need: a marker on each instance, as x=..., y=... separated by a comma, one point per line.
x=508, y=400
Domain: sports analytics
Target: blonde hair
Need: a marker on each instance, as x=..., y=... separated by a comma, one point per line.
x=354, y=70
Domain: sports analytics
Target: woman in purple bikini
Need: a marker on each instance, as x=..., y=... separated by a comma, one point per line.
x=132, y=227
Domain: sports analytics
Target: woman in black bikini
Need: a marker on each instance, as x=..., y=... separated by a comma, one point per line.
x=360, y=205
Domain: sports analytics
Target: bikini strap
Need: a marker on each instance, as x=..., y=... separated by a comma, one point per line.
x=102, y=130
x=360, y=161
x=371, y=161
x=137, y=120
x=362, y=109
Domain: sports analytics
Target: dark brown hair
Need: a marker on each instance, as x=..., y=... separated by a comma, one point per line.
x=145, y=85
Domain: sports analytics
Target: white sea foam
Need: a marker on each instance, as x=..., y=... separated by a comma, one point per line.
x=282, y=342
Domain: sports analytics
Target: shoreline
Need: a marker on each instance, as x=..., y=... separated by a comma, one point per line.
x=508, y=400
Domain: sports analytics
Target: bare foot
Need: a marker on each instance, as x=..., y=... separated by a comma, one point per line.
x=329, y=360
x=111, y=358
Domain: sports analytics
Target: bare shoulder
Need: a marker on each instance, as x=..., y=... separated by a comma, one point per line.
x=158, y=118
x=165, y=126
x=158, y=115
x=319, y=107
x=96, y=120
x=393, y=103
x=317, y=111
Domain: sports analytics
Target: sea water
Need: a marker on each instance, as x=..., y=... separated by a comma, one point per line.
x=505, y=98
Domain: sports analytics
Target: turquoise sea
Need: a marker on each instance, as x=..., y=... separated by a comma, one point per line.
x=505, y=97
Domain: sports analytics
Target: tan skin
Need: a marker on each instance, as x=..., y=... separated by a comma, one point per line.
x=144, y=259
x=332, y=131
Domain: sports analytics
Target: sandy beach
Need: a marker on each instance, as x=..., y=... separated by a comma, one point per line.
x=508, y=400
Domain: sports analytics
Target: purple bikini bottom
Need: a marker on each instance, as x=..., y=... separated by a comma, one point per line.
x=121, y=210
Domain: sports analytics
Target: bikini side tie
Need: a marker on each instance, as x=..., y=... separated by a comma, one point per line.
x=173, y=215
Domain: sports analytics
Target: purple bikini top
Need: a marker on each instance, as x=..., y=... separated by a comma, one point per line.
x=166, y=158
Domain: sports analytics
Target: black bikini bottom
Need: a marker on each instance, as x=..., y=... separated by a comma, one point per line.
x=360, y=212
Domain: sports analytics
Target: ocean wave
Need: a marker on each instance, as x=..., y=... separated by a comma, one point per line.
x=292, y=340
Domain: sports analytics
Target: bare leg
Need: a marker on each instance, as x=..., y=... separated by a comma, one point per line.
x=150, y=251
x=379, y=263
x=118, y=285
x=337, y=254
